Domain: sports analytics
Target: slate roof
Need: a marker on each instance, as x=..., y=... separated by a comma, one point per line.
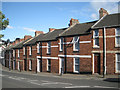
x=78, y=29
x=50, y=36
x=110, y=20
x=8, y=48
x=33, y=40
x=20, y=45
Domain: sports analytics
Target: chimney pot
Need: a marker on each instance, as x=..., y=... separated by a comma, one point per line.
x=73, y=21
x=102, y=12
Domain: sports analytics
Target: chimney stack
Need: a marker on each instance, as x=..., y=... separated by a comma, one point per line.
x=73, y=21
x=51, y=29
x=38, y=32
x=17, y=40
x=102, y=12
x=27, y=37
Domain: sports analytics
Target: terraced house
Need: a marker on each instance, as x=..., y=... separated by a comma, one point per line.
x=90, y=47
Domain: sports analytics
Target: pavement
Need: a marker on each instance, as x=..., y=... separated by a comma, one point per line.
x=68, y=76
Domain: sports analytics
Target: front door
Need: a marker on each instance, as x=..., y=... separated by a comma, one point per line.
x=38, y=65
x=25, y=64
x=62, y=65
x=97, y=63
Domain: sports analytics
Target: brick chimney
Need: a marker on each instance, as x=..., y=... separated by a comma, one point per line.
x=51, y=29
x=73, y=21
x=102, y=12
x=17, y=40
x=38, y=32
x=27, y=37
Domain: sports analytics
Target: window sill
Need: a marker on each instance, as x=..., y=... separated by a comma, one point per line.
x=96, y=46
x=48, y=53
x=76, y=71
x=117, y=46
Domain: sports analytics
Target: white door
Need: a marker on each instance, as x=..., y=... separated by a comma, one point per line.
x=38, y=65
x=61, y=65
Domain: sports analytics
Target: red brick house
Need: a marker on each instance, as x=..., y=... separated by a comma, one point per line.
x=105, y=44
x=48, y=60
x=30, y=52
x=75, y=48
x=91, y=47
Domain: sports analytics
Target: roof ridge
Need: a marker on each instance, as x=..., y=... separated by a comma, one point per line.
x=67, y=29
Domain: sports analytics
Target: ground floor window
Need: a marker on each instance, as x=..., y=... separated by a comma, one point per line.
x=118, y=62
x=76, y=65
x=48, y=65
x=18, y=65
x=30, y=64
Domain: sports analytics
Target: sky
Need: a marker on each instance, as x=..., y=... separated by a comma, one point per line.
x=27, y=17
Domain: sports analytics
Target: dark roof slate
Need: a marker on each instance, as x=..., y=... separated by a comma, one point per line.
x=109, y=20
x=34, y=39
x=78, y=29
x=50, y=36
x=19, y=45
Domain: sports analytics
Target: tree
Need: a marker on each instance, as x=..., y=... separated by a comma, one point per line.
x=3, y=23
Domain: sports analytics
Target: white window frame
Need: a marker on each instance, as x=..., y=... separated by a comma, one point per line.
x=61, y=44
x=38, y=47
x=23, y=50
x=74, y=42
x=30, y=64
x=30, y=50
x=75, y=64
x=95, y=37
x=116, y=69
x=116, y=45
x=48, y=65
x=13, y=53
x=18, y=65
x=48, y=47
x=18, y=53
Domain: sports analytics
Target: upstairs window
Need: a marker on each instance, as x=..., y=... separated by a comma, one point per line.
x=23, y=50
x=61, y=44
x=76, y=43
x=30, y=50
x=38, y=47
x=117, y=37
x=48, y=47
x=96, y=38
x=18, y=53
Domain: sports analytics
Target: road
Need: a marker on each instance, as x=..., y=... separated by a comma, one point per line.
x=19, y=80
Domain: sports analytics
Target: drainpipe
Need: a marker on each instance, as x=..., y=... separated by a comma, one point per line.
x=41, y=55
x=65, y=53
x=104, y=53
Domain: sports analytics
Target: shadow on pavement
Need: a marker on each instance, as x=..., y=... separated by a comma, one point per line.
x=117, y=80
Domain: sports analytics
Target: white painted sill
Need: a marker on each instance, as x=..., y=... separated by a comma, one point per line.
x=96, y=46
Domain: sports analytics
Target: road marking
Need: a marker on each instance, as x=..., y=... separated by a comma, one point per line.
x=103, y=87
x=78, y=87
x=35, y=83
